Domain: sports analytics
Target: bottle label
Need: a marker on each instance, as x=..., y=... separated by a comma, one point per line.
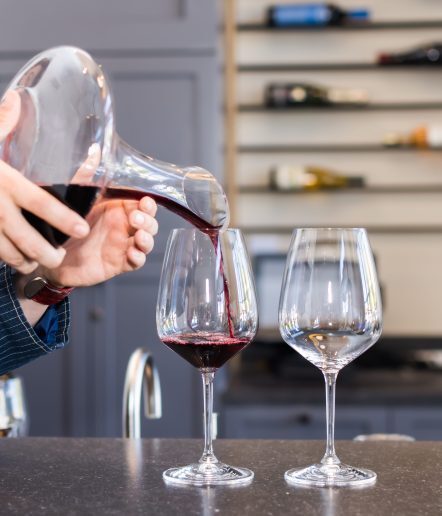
x=350, y=96
x=302, y=14
x=434, y=136
x=286, y=177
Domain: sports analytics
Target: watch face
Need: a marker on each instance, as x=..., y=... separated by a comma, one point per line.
x=33, y=287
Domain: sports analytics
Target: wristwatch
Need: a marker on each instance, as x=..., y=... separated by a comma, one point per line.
x=42, y=291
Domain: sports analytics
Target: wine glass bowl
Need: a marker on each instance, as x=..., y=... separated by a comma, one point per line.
x=330, y=312
x=207, y=313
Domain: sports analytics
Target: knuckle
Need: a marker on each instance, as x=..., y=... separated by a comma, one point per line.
x=40, y=202
x=21, y=242
x=31, y=252
x=153, y=226
x=150, y=244
x=28, y=267
x=52, y=260
x=137, y=258
x=17, y=262
x=5, y=179
x=28, y=247
x=153, y=209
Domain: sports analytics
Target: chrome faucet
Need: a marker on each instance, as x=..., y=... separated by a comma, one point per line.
x=141, y=370
x=13, y=416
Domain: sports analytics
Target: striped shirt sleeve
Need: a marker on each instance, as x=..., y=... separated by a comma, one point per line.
x=19, y=341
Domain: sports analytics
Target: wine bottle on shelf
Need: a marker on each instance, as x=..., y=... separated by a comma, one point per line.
x=430, y=54
x=423, y=137
x=310, y=178
x=313, y=14
x=302, y=94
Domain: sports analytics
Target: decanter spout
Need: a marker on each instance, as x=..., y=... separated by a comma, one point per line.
x=192, y=192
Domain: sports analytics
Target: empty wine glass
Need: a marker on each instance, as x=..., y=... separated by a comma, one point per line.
x=207, y=312
x=330, y=312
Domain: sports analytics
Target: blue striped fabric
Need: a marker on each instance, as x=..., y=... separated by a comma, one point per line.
x=19, y=341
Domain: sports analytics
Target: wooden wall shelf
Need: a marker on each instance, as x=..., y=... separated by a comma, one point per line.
x=382, y=230
x=263, y=149
x=387, y=25
x=329, y=67
x=385, y=106
x=387, y=189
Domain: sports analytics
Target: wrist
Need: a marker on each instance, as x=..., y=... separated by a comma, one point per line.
x=51, y=275
x=41, y=287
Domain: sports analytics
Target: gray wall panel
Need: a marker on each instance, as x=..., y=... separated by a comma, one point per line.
x=109, y=26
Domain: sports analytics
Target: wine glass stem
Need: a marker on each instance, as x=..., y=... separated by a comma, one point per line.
x=208, y=456
x=330, y=458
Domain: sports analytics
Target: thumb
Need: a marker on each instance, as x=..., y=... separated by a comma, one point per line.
x=9, y=112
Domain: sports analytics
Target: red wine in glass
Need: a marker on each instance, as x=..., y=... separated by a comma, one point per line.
x=211, y=351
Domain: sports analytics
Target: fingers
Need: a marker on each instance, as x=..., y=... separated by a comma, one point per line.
x=30, y=243
x=136, y=259
x=143, y=241
x=142, y=244
x=12, y=256
x=148, y=205
x=9, y=112
x=31, y=197
x=144, y=221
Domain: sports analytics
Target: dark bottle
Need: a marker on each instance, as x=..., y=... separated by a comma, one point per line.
x=301, y=94
x=430, y=54
x=314, y=14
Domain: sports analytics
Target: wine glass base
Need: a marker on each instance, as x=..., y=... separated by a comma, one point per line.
x=208, y=475
x=320, y=475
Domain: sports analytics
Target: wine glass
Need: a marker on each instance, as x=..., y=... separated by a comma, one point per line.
x=330, y=312
x=207, y=312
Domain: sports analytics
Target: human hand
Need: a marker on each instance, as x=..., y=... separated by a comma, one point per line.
x=121, y=235
x=22, y=246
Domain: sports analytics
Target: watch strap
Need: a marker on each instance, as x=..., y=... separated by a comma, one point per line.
x=42, y=291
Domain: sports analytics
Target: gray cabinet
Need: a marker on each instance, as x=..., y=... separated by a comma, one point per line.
x=162, y=60
x=420, y=422
x=308, y=421
x=299, y=422
x=109, y=27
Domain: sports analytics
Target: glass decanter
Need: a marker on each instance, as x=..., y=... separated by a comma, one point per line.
x=65, y=140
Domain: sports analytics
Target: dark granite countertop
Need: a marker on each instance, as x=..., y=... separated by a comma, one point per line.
x=115, y=476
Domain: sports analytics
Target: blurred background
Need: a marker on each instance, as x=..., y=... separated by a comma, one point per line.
x=337, y=122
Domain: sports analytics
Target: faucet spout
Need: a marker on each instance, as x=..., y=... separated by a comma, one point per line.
x=141, y=374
